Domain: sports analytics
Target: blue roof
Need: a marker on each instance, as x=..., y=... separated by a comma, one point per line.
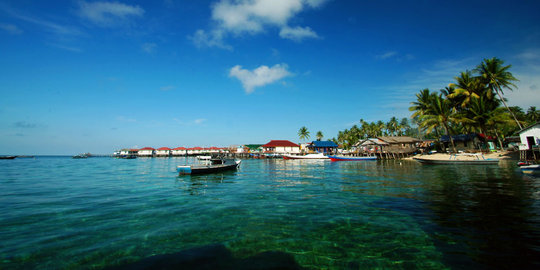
x=324, y=144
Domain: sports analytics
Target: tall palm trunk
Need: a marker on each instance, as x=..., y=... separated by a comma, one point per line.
x=451, y=139
x=499, y=139
x=498, y=91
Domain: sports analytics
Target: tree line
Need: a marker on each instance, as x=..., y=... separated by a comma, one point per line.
x=473, y=103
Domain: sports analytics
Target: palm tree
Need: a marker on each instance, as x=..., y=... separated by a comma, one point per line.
x=404, y=126
x=497, y=118
x=478, y=112
x=303, y=133
x=533, y=115
x=466, y=88
x=496, y=77
x=392, y=126
x=319, y=135
x=380, y=127
x=423, y=99
x=439, y=113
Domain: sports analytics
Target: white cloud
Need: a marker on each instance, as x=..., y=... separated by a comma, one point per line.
x=297, y=33
x=255, y=16
x=149, y=47
x=260, y=76
x=386, y=55
x=64, y=47
x=395, y=55
x=202, y=39
x=11, y=28
x=526, y=68
x=49, y=26
x=107, y=14
x=167, y=88
x=199, y=121
x=125, y=119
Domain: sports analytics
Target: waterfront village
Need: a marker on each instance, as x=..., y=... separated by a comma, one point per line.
x=524, y=146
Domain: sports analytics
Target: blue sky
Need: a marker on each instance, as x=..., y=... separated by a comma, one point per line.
x=96, y=76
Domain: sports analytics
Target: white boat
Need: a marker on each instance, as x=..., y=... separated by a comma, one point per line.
x=211, y=166
x=308, y=156
x=530, y=169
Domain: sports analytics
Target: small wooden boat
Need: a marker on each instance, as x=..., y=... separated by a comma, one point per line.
x=213, y=166
x=308, y=156
x=344, y=158
x=8, y=157
x=530, y=169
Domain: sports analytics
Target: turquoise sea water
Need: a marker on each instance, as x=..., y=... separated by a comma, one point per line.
x=63, y=213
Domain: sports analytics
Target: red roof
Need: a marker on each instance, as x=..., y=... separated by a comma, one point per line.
x=164, y=148
x=147, y=148
x=179, y=148
x=281, y=143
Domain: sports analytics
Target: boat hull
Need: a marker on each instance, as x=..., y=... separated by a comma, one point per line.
x=461, y=162
x=530, y=169
x=8, y=157
x=309, y=156
x=342, y=158
x=206, y=169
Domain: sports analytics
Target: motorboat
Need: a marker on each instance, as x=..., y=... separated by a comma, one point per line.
x=530, y=169
x=308, y=156
x=347, y=158
x=210, y=166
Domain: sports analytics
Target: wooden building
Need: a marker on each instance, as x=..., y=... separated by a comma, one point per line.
x=399, y=144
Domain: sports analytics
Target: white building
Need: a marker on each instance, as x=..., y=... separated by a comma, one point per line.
x=146, y=152
x=163, y=152
x=530, y=137
x=179, y=151
x=281, y=147
x=128, y=152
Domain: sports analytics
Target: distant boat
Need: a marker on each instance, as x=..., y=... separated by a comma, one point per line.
x=488, y=161
x=308, y=156
x=8, y=157
x=211, y=166
x=344, y=158
x=127, y=156
x=81, y=156
x=530, y=169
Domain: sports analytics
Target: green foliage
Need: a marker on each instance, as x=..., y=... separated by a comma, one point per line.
x=303, y=133
x=470, y=104
x=319, y=135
